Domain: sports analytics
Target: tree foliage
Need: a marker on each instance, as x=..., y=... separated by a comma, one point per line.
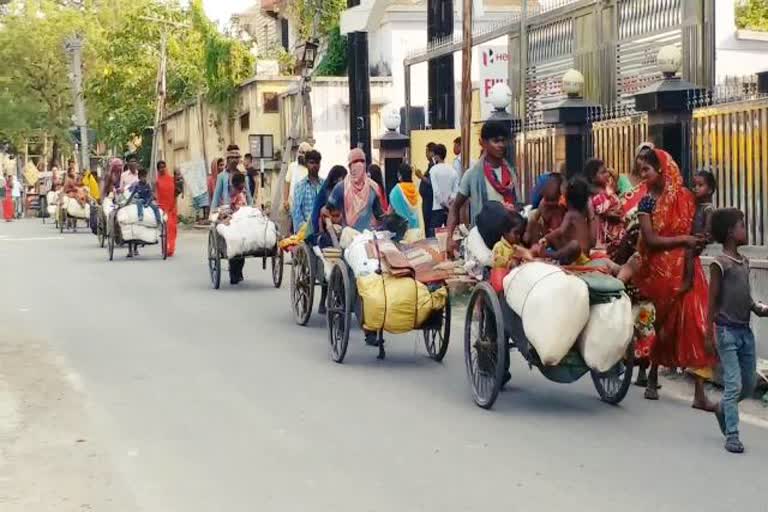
x=122, y=55
x=327, y=13
x=334, y=61
x=752, y=15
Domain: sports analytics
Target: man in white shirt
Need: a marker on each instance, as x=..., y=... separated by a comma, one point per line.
x=445, y=185
x=297, y=171
x=457, y=163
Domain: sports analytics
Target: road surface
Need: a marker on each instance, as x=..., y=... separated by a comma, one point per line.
x=132, y=385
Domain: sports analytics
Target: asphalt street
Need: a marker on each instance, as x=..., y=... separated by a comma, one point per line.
x=210, y=400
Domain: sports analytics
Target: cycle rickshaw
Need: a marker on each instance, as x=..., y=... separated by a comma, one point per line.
x=116, y=237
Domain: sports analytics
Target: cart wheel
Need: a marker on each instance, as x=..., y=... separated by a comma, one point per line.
x=485, y=345
x=62, y=222
x=302, y=284
x=277, y=268
x=102, y=232
x=612, y=386
x=214, y=260
x=164, y=240
x=339, y=310
x=437, y=336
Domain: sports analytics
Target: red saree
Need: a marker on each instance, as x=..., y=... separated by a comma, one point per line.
x=680, y=321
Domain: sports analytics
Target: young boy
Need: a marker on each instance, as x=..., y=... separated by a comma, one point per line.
x=704, y=186
x=508, y=252
x=730, y=306
x=238, y=197
x=141, y=194
x=574, y=239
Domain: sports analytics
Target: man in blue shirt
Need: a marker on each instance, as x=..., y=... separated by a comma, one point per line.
x=306, y=191
x=221, y=191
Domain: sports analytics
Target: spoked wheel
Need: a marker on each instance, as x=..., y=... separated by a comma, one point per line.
x=100, y=229
x=339, y=310
x=612, y=386
x=277, y=267
x=62, y=220
x=485, y=345
x=214, y=260
x=437, y=335
x=302, y=284
x=164, y=240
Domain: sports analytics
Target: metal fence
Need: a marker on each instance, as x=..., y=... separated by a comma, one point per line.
x=534, y=155
x=729, y=134
x=616, y=133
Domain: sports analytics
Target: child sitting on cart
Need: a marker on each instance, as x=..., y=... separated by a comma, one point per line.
x=572, y=242
x=143, y=197
x=237, y=198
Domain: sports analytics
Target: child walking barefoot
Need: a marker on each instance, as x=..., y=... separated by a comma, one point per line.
x=730, y=307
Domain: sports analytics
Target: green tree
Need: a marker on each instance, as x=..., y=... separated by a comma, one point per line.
x=334, y=61
x=752, y=15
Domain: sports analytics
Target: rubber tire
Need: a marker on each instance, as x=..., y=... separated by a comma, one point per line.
x=621, y=392
x=438, y=355
x=214, y=260
x=303, y=259
x=485, y=290
x=278, y=266
x=339, y=287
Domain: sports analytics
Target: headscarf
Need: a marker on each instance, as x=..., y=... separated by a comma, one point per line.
x=357, y=187
x=112, y=176
x=675, y=208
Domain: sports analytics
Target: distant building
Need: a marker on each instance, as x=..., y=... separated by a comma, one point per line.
x=738, y=52
x=265, y=24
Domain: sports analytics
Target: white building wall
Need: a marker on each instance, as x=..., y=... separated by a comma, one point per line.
x=735, y=56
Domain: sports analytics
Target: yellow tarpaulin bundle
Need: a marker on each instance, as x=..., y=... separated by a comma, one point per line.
x=31, y=174
x=90, y=181
x=397, y=304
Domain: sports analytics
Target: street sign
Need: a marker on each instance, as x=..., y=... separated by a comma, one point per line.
x=494, y=68
x=261, y=146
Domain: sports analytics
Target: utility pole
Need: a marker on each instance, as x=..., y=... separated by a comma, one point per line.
x=74, y=47
x=466, y=81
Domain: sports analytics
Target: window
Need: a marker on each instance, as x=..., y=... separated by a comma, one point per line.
x=245, y=122
x=270, y=103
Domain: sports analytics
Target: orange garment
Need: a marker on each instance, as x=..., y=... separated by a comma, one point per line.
x=410, y=192
x=680, y=320
x=166, y=199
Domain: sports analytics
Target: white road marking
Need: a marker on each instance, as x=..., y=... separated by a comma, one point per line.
x=30, y=239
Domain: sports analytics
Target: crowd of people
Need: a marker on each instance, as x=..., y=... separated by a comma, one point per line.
x=648, y=228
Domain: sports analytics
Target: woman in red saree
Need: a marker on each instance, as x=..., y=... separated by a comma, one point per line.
x=665, y=216
x=166, y=199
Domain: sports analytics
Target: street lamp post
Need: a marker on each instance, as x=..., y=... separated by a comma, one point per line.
x=74, y=47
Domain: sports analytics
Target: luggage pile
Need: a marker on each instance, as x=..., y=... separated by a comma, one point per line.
x=562, y=310
x=75, y=209
x=52, y=202
x=248, y=231
x=147, y=230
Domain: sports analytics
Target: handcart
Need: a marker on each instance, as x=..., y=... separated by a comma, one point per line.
x=492, y=329
x=344, y=300
x=64, y=219
x=307, y=272
x=217, y=251
x=115, y=236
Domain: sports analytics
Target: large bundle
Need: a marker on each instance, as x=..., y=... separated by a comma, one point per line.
x=249, y=231
x=553, y=305
x=129, y=215
x=75, y=209
x=397, y=304
x=356, y=252
x=52, y=201
x=608, y=333
x=139, y=233
x=477, y=248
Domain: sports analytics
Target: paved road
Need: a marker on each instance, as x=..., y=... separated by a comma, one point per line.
x=215, y=400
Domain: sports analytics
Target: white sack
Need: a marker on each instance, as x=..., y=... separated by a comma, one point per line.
x=52, y=209
x=74, y=209
x=248, y=231
x=129, y=214
x=52, y=197
x=356, y=256
x=553, y=305
x=608, y=333
x=477, y=249
x=137, y=232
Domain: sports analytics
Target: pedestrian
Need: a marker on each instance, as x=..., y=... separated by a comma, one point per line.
x=730, y=307
x=222, y=189
x=458, y=166
x=252, y=177
x=17, y=199
x=425, y=189
x=131, y=174
x=356, y=196
x=6, y=196
x=407, y=203
x=445, y=186
x=491, y=178
x=112, y=177
x=306, y=190
x=374, y=172
x=666, y=217
x=297, y=171
x=166, y=199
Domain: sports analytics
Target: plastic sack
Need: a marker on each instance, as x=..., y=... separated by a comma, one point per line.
x=553, y=305
x=356, y=255
x=348, y=235
x=397, y=304
x=75, y=209
x=129, y=214
x=248, y=231
x=139, y=233
x=477, y=249
x=607, y=334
